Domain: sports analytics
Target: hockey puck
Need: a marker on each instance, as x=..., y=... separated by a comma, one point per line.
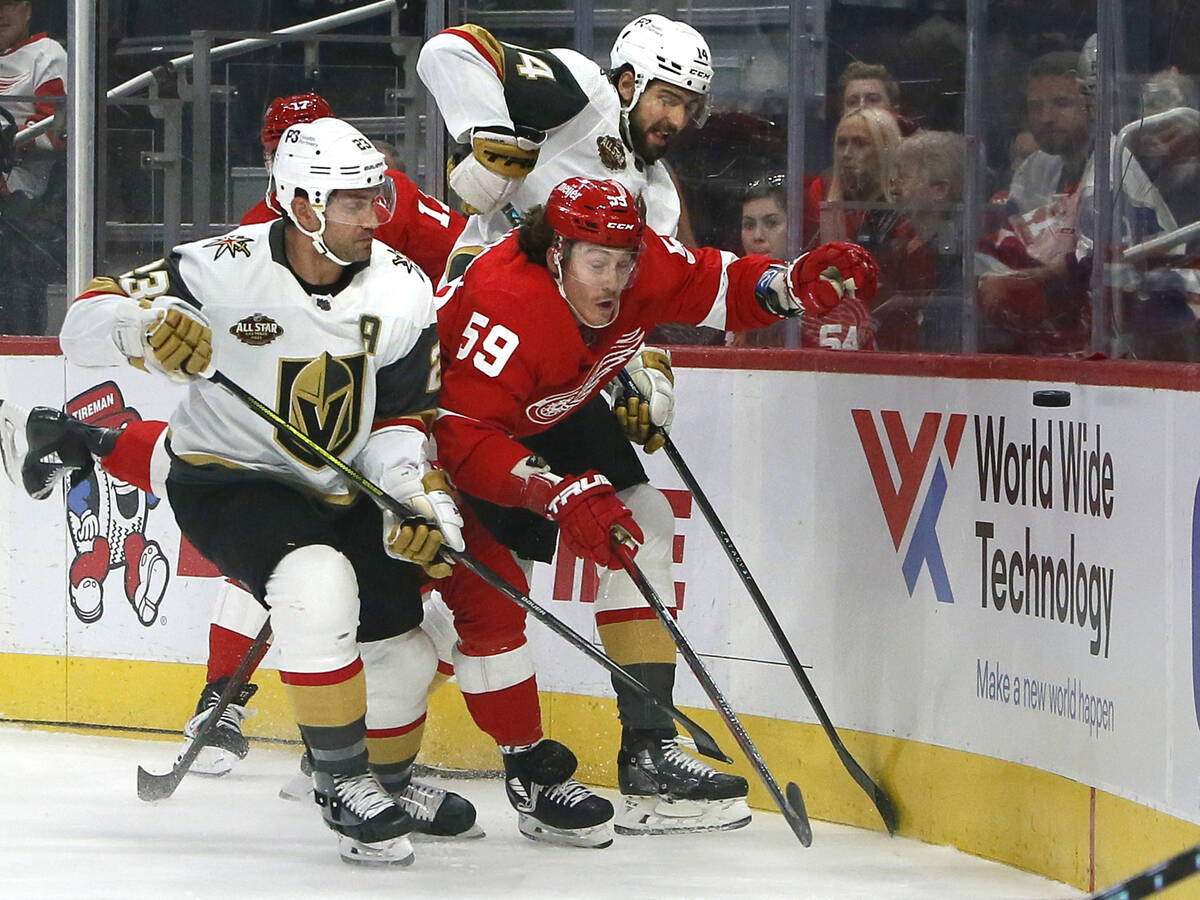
x=1051, y=398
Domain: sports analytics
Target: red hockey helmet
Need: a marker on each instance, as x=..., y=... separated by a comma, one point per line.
x=287, y=111
x=597, y=211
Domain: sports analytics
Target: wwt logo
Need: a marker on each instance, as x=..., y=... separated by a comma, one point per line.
x=899, y=471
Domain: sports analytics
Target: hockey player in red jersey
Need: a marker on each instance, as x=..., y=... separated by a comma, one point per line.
x=537, y=326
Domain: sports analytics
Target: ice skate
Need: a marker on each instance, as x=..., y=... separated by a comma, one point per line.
x=666, y=791
x=42, y=446
x=552, y=806
x=225, y=744
x=371, y=826
x=437, y=813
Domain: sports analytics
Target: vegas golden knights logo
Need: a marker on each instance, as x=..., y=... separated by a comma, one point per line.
x=322, y=397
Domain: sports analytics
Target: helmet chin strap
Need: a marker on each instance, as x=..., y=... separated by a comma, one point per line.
x=318, y=239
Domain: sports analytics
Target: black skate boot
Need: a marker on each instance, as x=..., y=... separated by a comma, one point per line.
x=43, y=445
x=371, y=826
x=225, y=743
x=436, y=813
x=666, y=791
x=553, y=807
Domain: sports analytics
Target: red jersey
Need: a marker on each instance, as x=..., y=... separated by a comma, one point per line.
x=423, y=229
x=515, y=360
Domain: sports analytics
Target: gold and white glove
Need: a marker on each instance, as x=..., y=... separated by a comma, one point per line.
x=418, y=540
x=169, y=336
x=646, y=420
x=494, y=171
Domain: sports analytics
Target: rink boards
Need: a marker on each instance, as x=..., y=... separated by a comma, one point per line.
x=997, y=601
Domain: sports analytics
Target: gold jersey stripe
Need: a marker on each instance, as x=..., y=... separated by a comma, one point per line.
x=385, y=751
x=329, y=705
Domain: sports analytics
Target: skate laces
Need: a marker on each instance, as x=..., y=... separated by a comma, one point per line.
x=569, y=792
x=231, y=718
x=421, y=800
x=681, y=760
x=362, y=795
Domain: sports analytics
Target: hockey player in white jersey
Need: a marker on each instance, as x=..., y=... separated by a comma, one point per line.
x=533, y=118
x=337, y=331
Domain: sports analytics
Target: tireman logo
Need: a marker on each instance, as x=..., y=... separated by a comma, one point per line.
x=912, y=463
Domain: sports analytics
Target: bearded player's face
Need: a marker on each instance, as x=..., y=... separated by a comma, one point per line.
x=661, y=113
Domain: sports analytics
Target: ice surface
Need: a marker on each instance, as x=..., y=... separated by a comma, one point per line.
x=73, y=827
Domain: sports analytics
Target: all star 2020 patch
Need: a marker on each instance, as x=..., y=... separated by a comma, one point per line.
x=612, y=152
x=256, y=330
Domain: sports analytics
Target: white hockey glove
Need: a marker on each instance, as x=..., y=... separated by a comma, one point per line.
x=498, y=164
x=411, y=539
x=169, y=336
x=646, y=420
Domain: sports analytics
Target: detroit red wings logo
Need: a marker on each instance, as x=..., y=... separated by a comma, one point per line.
x=233, y=245
x=550, y=409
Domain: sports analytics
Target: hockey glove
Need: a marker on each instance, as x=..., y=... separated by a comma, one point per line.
x=169, y=336
x=816, y=282
x=498, y=164
x=418, y=540
x=587, y=509
x=646, y=420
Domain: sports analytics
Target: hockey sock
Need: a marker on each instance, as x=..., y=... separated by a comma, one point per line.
x=644, y=647
x=130, y=459
x=226, y=649
x=331, y=709
x=392, y=751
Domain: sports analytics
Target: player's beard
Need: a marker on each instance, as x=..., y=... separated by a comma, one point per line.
x=637, y=134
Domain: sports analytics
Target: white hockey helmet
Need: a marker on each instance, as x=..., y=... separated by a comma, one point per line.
x=657, y=47
x=325, y=156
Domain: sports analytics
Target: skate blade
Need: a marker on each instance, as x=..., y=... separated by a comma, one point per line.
x=395, y=852
x=596, y=837
x=663, y=815
x=471, y=834
x=300, y=787
x=13, y=443
x=212, y=762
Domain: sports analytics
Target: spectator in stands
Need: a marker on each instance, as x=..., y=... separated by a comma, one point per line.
x=33, y=190
x=1034, y=294
x=765, y=231
x=856, y=206
x=864, y=84
x=927, y=179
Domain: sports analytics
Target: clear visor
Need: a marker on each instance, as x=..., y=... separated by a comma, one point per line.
x=368, y=207
x=598, y=266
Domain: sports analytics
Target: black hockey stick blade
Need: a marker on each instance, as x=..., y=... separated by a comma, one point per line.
x=704, y=741
x=883, y=803
x=799, y=822
x=160, y=787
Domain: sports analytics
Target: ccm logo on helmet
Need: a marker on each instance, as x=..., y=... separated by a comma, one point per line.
x=626, y=226
x=573, y=490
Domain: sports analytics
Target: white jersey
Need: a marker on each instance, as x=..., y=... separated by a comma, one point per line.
x=37, y=66
x=478, y=81
x=331, y=360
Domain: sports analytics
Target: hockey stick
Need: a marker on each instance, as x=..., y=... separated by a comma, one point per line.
x=792, y=806
x=704, y=741
x=160, y=787
x=883, y=803
x=1154, y=879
